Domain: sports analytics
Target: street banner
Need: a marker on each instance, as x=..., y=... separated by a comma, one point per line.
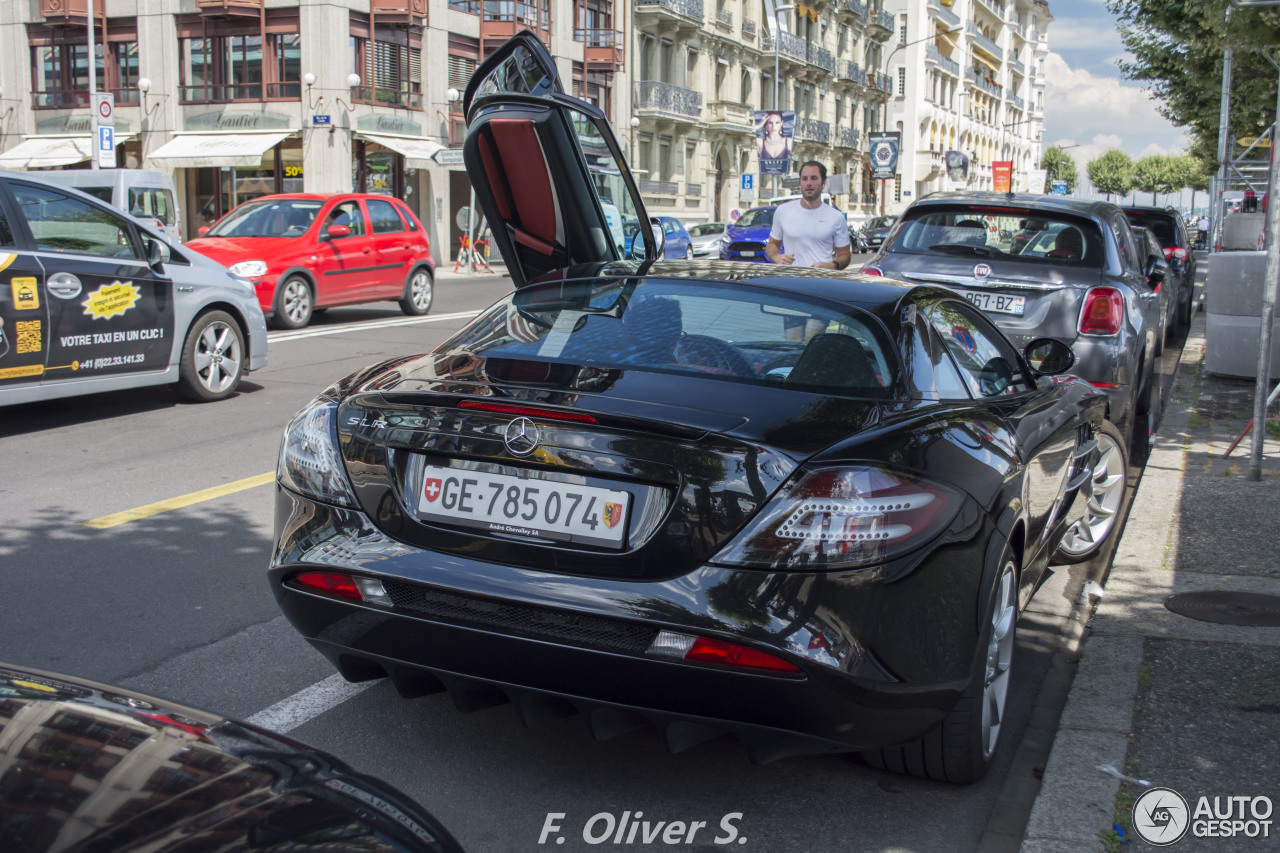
x=1002, y=176
x=775, y=129
x=957, y=163
x=884, y=153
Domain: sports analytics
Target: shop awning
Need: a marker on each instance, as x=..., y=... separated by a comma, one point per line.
x=417, y=150
x=199, y=150
x=43, y=152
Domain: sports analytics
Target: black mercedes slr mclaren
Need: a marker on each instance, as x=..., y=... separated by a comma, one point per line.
x=795, y=505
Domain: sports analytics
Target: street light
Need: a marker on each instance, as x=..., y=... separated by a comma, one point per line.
x=884, y=117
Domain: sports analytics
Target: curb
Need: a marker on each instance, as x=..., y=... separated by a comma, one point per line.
x=1076, y=800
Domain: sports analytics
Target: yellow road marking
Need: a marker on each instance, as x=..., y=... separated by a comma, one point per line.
x=179, y=502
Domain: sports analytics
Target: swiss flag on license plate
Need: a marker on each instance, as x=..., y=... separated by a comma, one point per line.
x=431, y=490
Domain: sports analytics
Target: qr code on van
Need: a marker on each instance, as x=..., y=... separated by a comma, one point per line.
x=28, y=335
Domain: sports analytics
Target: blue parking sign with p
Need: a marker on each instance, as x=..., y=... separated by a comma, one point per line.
x=106, y=138
x=748, y=182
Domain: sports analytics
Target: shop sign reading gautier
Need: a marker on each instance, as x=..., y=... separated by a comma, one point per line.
x=237, y=120
x=388, y=124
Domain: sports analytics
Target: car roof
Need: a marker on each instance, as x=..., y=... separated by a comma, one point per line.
x=1054, y=203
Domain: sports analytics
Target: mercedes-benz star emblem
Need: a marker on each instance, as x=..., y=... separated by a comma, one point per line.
x=521, y=436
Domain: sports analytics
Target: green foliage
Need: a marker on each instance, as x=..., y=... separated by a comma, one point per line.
x=1112, y=173
x=1059, y=166
x=1178, y=50
x=1156, y=173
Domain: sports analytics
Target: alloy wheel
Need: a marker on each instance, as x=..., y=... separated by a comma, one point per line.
x=421, y=290
x=995, y=680
x=297, y=301
x=1106, y=489
x=218, y=357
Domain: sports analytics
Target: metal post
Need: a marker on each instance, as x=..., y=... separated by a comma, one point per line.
x=1271, y=282
x=1218, y=203
x=93, y=90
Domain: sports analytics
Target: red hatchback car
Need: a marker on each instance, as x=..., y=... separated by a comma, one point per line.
x=305, y=252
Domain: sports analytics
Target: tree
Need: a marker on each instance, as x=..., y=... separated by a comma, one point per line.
x=1156, y=173
x=1059, y=167
x=1112, y=173
x=1178, y=48
x=1194, y=175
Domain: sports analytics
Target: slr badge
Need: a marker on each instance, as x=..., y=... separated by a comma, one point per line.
x=521, y=437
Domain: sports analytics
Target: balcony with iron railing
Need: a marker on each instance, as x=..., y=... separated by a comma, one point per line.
x=881, y=82
x=850, y=71
x=986, y=85
x=224, y=93
x=1017, y=30
x=857, y=7
x=388, y=96
x=688, y=11
x=61, y=99
x=822, y=58
x=847, y=138
x=748, y=28
x=603, y=47
x=1018, y=103
x=946, y=63
x=1018, y=67
x=724, y=19
x=692, y=190
x=995, y=7
x=976, y=37
x=670, y=100
x=943, y=14
x=812, y=130
x=789, y=45
x=649, y=187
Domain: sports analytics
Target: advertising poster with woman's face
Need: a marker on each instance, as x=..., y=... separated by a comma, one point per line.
x=774, y=132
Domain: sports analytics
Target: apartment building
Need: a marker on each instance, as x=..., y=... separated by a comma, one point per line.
x=242, y=98
x=968, y=75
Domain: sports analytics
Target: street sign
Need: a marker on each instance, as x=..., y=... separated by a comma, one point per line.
x=747, y=195
x=448, y=157
x=466, y=219
x=734, y=214
x=319, y=121
x=107, y=147
x=104, y=106
x=1058, y=188
x=748, y=182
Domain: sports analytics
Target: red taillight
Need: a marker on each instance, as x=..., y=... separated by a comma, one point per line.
x=331, y=583
x=1105, y=385
x=872, y=271
x=1180, y=254
x=1102, y=313
x=708, y=650
x=527, y=411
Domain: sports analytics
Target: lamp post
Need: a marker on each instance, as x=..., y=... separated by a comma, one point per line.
x=884, y=117
x=777, y=33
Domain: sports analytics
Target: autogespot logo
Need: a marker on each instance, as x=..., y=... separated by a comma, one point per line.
x=1160, y=816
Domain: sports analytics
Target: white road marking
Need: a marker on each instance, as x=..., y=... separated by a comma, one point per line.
x=276, y=337
x=309, y=703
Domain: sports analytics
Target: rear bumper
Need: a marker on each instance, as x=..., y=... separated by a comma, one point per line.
x=494, y=633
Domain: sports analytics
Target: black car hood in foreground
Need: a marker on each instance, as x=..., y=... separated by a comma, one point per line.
x=85, y=767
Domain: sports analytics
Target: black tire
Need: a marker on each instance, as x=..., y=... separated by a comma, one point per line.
x=962, y=747
x=419, y=292
x=1185, y=311
x=213, y=358
x=1106, y=494
x=1140, y=423
x=294, y=303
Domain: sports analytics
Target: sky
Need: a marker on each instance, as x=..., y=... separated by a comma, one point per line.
x=1087, y=101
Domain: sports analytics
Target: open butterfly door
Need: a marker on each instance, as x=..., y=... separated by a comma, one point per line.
x=547, y=169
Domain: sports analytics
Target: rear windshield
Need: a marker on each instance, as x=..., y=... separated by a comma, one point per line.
x=1002, y=233
x=1158, y=224
x=732, y=333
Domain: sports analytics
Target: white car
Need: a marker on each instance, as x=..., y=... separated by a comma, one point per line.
x=94, y=300
x=705, y=238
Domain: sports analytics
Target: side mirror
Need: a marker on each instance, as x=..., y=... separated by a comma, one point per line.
x=1049, y=357
x=335, y=232
x=1157, y=270
x=157, y=252
x=202, y=230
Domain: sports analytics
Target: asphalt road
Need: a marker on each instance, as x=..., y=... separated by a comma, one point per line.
x=174, y=602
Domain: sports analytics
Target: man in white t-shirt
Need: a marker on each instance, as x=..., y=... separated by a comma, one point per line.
x=815, y=234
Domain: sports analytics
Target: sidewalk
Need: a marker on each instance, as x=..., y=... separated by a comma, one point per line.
x=1189, y=705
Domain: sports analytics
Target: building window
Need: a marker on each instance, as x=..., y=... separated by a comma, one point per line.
x=223, y=61
x=60, y=64
x=902, y=80
x=389, y=65
x=897, y=187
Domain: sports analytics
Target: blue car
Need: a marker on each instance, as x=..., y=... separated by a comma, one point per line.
x=745, y=239
x=678, y=243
